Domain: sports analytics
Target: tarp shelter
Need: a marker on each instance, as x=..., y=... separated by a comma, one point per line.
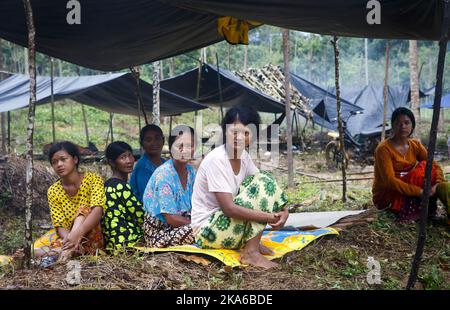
x=369, y=99
x=323, y=103
x=109, y=92
x=118, y=34
x=232, y=89
x=445, y=103
x=399, y=19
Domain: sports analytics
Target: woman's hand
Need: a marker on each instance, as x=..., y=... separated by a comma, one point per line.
x=282, y=218
x=433, y=190
x=72, y=241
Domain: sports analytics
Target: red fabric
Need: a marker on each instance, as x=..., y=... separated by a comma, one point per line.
x=416, y=177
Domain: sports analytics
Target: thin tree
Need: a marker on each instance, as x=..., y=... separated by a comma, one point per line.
x=385, y=91
x=52, y=99
x=30, y=129
x=414, y=79
x=335, y=44
x=431, y=148
x=287, y=102
x=3, y=114
x=156, y=93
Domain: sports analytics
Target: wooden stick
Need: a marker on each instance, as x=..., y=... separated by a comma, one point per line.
x=287, y=103
x=335, y=180
x=431, y=147
x=30, y=130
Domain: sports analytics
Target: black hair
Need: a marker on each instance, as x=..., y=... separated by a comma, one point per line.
x=67, y=146
x=115, y=149
x=178, y=131
x=245, y=114
x=150, y=127
x=403, y=111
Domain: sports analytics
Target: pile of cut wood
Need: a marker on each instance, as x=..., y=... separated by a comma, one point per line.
x=270, y=81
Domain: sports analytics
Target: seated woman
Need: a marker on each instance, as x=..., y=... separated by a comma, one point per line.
x=151, y=139
x=400, y=172
x=232, y=201
x=76, y=204
x=124, y=216
x=167, y=198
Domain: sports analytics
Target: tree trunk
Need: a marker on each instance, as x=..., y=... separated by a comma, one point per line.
x=287, y=98
x=52, y=101
x=414, y=78
x=156, y=102
x=3, y=114
x=245, y=57
x=339, y=118
x=431, y=147
x=385, y=92
x=171, y=67
x=366, y=60
x=29, y=146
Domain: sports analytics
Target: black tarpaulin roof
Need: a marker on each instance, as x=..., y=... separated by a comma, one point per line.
x=118, y=34
x=110, y=92
x=234, y=90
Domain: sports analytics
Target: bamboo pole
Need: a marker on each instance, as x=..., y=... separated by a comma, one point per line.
x=335, y=44
x=83, y=110
x=385, y=92
x=136, y=73
x=219, y=82
x=111, y=115
x=431, y=147
x=287, y=96
x=156, y=93
x=52, y=100
x=30, y=130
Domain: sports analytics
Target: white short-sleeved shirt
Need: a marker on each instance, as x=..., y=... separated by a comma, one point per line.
x=215, y=174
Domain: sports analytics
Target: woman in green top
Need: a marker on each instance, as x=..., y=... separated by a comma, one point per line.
x=123, y=219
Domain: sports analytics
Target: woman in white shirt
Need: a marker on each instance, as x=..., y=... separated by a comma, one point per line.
x=232, y=200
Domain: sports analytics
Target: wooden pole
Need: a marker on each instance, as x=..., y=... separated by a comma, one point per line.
x=366, y=62
x=136, y=73
x=245, y=57
x=385, y=92
x=156, y=94
x=52, y=100
x=339, y=116
x=431, y=147
x=287, y=98
x=414, y=89
x=30, y=130
x=8, y=116
x=219, y=82
x=111, y=115
x=86, y=128
x=3, y=114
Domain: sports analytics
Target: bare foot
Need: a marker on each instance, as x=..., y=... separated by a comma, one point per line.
x=257, y=260
x=265, y=250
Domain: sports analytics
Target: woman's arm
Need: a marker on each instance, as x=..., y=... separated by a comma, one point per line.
x=232, y=210
x=385, y=167
x=62, y=232
x=175, y=220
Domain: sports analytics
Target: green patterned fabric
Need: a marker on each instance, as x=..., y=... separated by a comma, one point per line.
x=257, y=192
x=123, y=218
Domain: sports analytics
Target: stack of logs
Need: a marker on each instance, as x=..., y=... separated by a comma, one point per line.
x=270, y=81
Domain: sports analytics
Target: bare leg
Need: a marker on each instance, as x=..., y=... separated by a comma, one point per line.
x=265, y=250
x=251, y=255
x=46, y=251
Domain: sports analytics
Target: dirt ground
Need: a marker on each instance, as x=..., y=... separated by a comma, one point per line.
x=331, y=262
